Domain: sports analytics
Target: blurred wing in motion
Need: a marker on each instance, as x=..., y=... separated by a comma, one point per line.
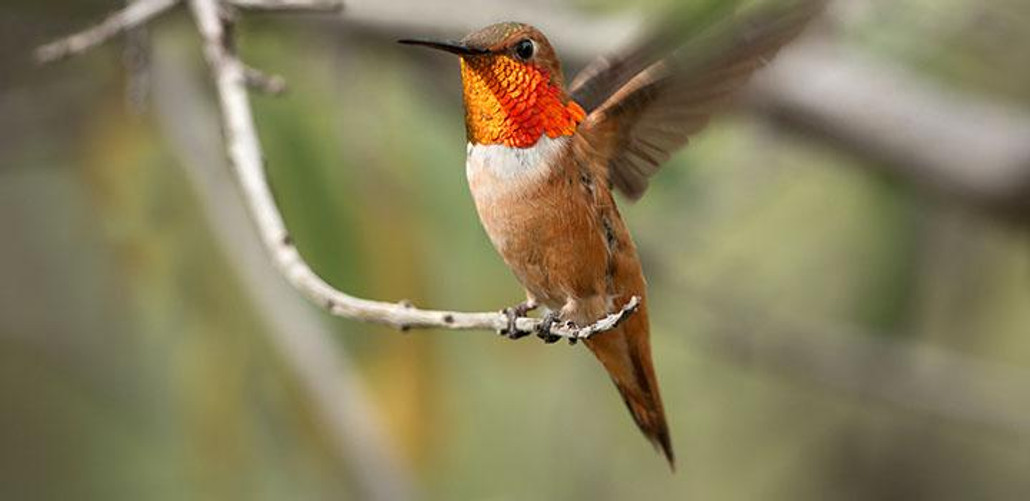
x=656, y=95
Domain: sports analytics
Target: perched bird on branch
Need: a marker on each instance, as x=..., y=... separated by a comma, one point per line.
x=543, y=161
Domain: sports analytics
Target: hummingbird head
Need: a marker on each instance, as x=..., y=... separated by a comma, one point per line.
x=514, y=91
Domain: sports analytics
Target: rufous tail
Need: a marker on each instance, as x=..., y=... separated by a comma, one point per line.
x=625, y=353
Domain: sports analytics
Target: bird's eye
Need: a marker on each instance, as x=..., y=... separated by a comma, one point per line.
x=524, y=49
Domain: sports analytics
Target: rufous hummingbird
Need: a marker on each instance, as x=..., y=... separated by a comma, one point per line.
x=543, y=160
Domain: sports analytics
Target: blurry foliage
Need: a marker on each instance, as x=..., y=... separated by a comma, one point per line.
x=972, y=46
x=135, y=368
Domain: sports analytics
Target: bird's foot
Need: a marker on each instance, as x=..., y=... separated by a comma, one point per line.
x=514, y=313
x=543, y=330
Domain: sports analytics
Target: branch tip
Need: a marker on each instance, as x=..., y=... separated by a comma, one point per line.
x=258, y=80
x=131, y=16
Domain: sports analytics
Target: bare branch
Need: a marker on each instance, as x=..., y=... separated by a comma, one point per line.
x=135, y=14
x=232, y=78
x=959, y=145
x=290, y=5
x=246, y=159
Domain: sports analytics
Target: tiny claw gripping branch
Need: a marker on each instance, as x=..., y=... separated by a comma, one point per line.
x=543, y=331
x=514, y=313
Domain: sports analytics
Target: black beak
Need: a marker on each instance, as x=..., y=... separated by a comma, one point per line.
x=458, y=48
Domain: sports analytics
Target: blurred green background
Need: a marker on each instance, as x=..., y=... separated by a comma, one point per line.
x=136, y=364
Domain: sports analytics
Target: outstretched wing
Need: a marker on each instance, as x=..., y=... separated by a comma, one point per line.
x=648, y=104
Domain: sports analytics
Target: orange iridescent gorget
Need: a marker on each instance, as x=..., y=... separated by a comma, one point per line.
x=513, y=103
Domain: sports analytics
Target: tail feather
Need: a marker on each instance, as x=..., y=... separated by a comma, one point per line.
x=645, y=405
x=625, y=353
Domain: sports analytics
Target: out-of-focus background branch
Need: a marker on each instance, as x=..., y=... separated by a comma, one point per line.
x=298, y=331
x=820, y=327
x=965, y=147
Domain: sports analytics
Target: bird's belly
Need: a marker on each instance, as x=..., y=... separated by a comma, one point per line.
x=542, y=228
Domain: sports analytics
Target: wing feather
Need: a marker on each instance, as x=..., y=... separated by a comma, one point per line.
x=650, y=114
